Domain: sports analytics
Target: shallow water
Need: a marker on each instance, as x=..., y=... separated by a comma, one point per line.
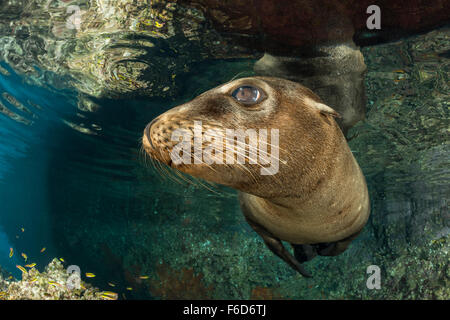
x=73, y=177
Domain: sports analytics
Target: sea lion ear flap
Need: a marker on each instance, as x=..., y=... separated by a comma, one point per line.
x=326, y=110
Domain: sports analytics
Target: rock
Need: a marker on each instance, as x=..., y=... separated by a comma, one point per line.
x=114, y=49
x=304, y=23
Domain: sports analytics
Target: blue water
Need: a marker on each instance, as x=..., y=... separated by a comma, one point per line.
x=5, y=245
x=27, y=167
x=24, y=152
x=78, y=186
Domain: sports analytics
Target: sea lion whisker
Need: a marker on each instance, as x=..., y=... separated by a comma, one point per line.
x=261, y=166
x=172, y=173
x=180, y=175
x=163, y=171
x=237, y=75
x=232, y=140
x=169, y=173
x=240, y=148
x=207, y=165
x=141, y=155
x=198, y=181
x=262, y=152
x=244, y=168
x=159, y=170
x=265, y=153
x=146, y=158
x=206, y=187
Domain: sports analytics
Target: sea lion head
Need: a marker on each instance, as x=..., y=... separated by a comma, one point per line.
x=259, y=135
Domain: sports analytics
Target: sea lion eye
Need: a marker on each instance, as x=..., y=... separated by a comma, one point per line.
x=247, y=95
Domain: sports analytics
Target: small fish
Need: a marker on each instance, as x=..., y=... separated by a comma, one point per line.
x=129, y=288
x=22, y=269
x=23, y=230
x=33, y=280
x=61, y=259
x=31, y=265
x=143, y=277
x=400, y=71
x=11, y=252
x=25, y=256
x=90, y=275
x=111, y=284
x=109, y=294
x=54, y=283
x=43, y=249
x=159, y=25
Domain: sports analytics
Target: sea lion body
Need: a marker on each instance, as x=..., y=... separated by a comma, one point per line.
x=317, y=199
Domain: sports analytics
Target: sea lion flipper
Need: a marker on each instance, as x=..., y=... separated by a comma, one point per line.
x=276, y=246
x=337, y=247
x=304, y=252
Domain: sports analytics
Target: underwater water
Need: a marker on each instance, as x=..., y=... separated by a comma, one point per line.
x=73, y=176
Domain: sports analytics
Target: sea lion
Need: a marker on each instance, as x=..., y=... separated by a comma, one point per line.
x=317, y=198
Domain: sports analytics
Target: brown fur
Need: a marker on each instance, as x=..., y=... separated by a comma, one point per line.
x=319, y=194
